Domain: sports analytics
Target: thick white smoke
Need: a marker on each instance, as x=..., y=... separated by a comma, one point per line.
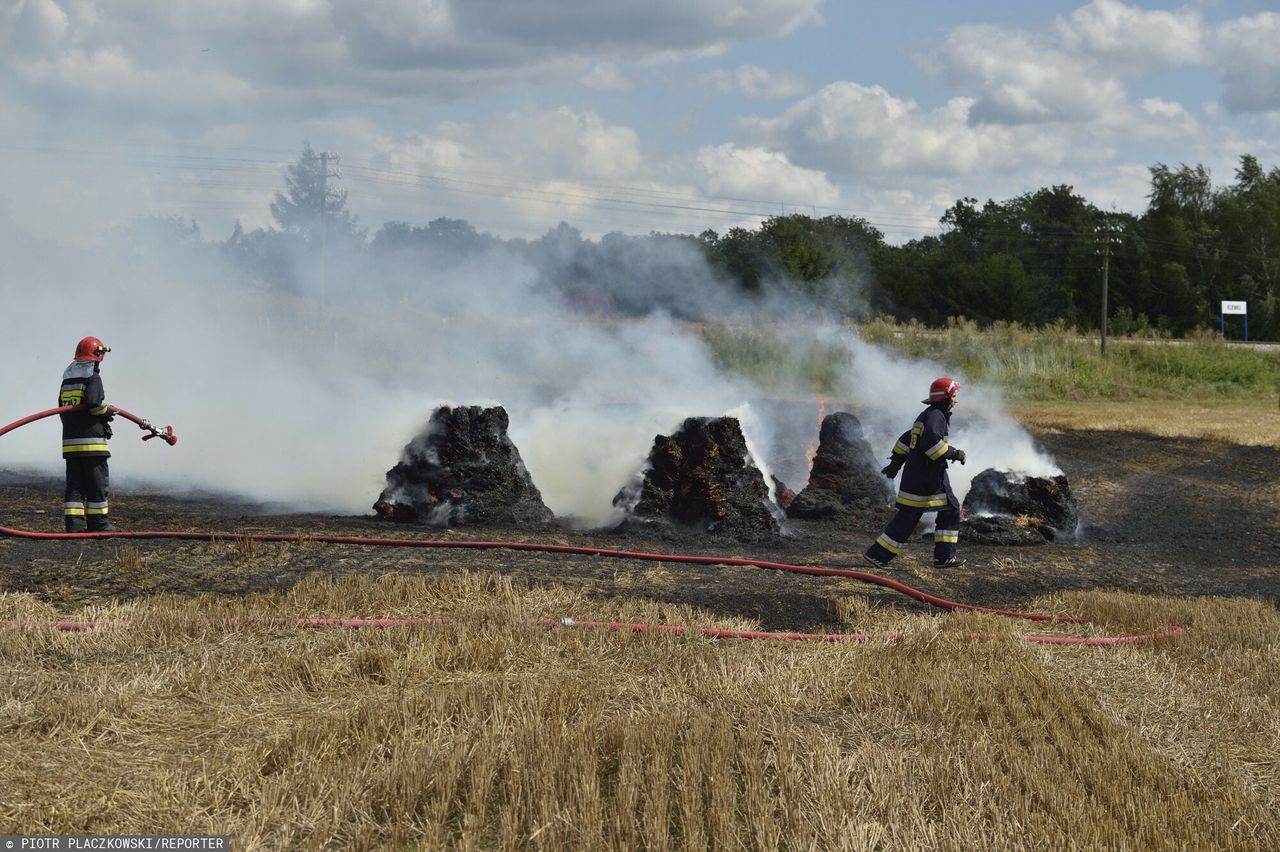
x=888, y=392
x=304, y=399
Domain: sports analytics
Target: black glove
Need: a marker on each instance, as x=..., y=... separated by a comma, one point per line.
x=958, y=455
x=891, y=469
x=106, y=431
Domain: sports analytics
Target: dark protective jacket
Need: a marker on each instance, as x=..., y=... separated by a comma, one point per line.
x=923, y=453
x=84, y=433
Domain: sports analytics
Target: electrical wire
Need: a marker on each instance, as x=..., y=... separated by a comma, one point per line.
x=600, y=196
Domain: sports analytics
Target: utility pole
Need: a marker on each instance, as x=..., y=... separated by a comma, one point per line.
x=325, y=157
x=1106, y=237
x=325, y=174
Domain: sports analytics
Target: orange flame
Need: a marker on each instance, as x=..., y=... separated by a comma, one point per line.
x=811, y=446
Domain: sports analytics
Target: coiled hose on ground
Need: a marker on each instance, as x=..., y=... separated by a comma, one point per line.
x=811, y=570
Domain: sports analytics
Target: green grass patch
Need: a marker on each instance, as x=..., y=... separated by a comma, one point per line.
x=1054, y=362
x=776, y=364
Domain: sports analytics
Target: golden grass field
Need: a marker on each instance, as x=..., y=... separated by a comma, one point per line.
x=204, y=714
x=492, y=732
x=1254, y=423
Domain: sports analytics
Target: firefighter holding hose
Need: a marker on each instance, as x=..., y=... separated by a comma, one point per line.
x=85, y=435
x=924, y=452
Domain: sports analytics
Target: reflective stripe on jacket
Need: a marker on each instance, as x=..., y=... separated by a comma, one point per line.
x=924, y=483
x=84, y=433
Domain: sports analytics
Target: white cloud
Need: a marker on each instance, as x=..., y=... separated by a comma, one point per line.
x=1123, y=186
x=251, y=78
x=325, y=54
x=1078, y=70
x=1249, y=62
x=1161, y=108
x=606, y=77
x=1149, y=121
x=864, y=132
x=555, y=144
x=756, y=82
x=560, y=164
x=758, y=173
x=1022, y=78
x=905, y=164
x=32, y=26
x=423, y=25
x=512, y=173
x=1133, y=40
x=111, y=73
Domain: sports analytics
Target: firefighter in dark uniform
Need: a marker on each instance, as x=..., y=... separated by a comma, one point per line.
x=925, y=487
x=84, y=440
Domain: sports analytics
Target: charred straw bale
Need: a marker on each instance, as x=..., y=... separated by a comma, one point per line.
x=463, y=470
x=845, y=478
x=782, y=495
x=1009, y=508
x=701, y=479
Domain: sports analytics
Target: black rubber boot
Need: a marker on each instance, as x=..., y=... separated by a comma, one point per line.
x=872, y=560
x=76, y=524
x=103, y=526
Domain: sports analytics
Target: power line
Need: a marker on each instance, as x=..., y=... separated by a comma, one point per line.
x=641, y=192
x=600, y=196
x=501, y=187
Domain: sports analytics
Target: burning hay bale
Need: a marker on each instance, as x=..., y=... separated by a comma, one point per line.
x=845, y=478
x=787, y=440
x=782, y=495
x=701, y=479
x=1011, y=509
x=462, y=469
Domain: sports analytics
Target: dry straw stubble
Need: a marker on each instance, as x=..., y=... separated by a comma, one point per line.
x=493, y=732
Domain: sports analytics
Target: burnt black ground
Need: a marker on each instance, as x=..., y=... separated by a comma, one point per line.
x=1180, y=516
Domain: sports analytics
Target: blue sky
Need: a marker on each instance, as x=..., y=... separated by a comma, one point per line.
x=672, y=115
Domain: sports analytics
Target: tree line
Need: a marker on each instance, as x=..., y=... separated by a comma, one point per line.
x=1035, y=259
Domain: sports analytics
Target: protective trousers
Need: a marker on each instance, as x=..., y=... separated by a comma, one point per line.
x=945, y=535
x=85, y=500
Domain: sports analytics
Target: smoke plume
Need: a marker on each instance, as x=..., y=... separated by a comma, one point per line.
x=301, y=398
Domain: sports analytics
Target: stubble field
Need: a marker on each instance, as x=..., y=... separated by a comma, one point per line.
x=197, y=707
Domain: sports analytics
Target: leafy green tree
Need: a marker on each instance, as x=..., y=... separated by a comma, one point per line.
x=455, y=238
x=1247, y=215
x=740, y=254
x=900, y=286
x=1010, y=288
x=310, y=205
x=1179, y=230
x=797, y=248
x=829, y=261
x=966, y=227
x=1028, y=259
x=1032, y=259
x=1181, y=297
x=268, y=259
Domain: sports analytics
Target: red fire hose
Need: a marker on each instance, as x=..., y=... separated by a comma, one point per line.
x=165, y=433
x=168, y=436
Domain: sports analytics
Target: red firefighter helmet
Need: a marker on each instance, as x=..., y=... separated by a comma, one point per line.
x=91, y=349
x=942, y=389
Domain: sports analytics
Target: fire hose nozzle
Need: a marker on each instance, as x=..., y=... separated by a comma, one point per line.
x=165, y=433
